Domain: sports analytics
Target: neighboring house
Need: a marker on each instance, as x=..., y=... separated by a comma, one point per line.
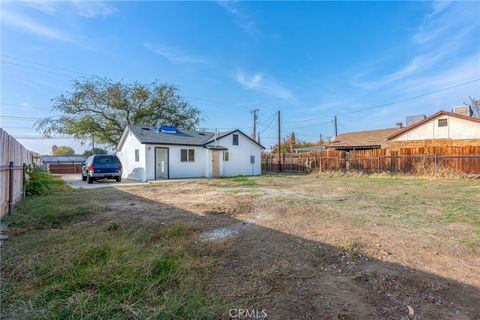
x=63, y=164
x=153, y=153
x=441, y=125
x=361, y=140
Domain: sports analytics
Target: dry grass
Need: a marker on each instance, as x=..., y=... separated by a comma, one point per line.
x=61, y=263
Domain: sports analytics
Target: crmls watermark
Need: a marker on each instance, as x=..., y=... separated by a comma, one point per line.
x=247, y=313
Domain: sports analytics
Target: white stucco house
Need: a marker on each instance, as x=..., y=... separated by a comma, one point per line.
x=441, y=125
x=154, y=153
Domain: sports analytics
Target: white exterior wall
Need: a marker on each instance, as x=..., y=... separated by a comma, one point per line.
x=456, y=129
x=239, y=157
x=144, y=169
x=178, y=169
x=131, y=169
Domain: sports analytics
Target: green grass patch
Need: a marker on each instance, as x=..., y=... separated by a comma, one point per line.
x=235, y=182
x=244, y=181
x=59, y=207
x=101, y=270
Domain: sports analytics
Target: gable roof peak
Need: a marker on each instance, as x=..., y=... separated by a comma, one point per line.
x=433, y=116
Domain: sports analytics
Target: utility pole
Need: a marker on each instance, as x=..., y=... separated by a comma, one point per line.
x=279, y=144
x=335, y=130
x=255, y=118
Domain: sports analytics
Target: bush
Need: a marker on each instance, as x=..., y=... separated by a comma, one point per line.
x=40, y=182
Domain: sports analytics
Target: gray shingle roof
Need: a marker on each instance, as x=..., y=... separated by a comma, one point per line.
x=147, y=135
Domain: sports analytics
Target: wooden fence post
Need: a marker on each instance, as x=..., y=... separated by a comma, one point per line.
x=10, y=187
x=435, y=163
x=378, y=164
x=24, y=185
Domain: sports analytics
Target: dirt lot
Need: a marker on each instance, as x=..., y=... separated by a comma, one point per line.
x=300, y=247
x=329, y=247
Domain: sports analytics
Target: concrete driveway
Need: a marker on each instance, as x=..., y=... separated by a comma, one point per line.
x=75, y=181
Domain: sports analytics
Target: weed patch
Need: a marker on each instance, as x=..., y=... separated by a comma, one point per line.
x=106, y=270
x=49, y=211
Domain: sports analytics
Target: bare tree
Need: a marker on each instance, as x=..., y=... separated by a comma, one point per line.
x=475, y=105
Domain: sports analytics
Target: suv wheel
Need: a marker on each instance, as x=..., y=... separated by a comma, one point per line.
x=118, y=179
x=89, y=179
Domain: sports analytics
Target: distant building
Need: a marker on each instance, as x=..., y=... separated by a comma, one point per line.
x=371, y=139
x=416, y=118
x=63, y=164
x=464, y=109
x=441, y=125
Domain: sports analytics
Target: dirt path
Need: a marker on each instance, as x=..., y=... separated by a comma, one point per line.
x=307, y=248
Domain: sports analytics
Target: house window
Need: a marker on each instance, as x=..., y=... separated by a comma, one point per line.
x=137, y=155
x=252, y=159
x=235, y=139
x=442, y=122
x=226, y=156
x=187, y=155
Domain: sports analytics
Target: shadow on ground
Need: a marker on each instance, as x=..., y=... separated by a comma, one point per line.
x=295, y=278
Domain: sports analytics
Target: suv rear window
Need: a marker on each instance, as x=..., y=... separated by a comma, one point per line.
x=106, y=160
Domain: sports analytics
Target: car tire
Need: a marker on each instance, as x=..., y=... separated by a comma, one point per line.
x=84, y=178
x=118, y=179
x=89, y=180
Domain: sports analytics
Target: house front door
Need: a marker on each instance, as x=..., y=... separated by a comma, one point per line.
x=161, y=163
x=215, y=163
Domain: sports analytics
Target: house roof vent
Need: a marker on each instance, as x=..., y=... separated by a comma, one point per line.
x=167, y=129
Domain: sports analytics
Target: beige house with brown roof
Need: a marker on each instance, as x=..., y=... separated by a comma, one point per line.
x=442, y=126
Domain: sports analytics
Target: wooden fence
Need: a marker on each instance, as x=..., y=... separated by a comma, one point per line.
x=13, y=159
x=64, y=168
x=427, y=160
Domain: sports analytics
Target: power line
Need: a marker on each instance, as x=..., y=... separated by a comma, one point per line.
x=38, y=69
x=270, y=124
x=43, y=64
x=394, y=102
x=18, y=128
x=26, y=107
x=341, y=124
x=312, y=125
x=19, y=118
x=40, y=137
x=202, y=101
x=414, y=97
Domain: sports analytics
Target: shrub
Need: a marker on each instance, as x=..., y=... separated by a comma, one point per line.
x=40, y=182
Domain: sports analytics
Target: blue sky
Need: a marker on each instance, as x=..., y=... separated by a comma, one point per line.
x=311, y=60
